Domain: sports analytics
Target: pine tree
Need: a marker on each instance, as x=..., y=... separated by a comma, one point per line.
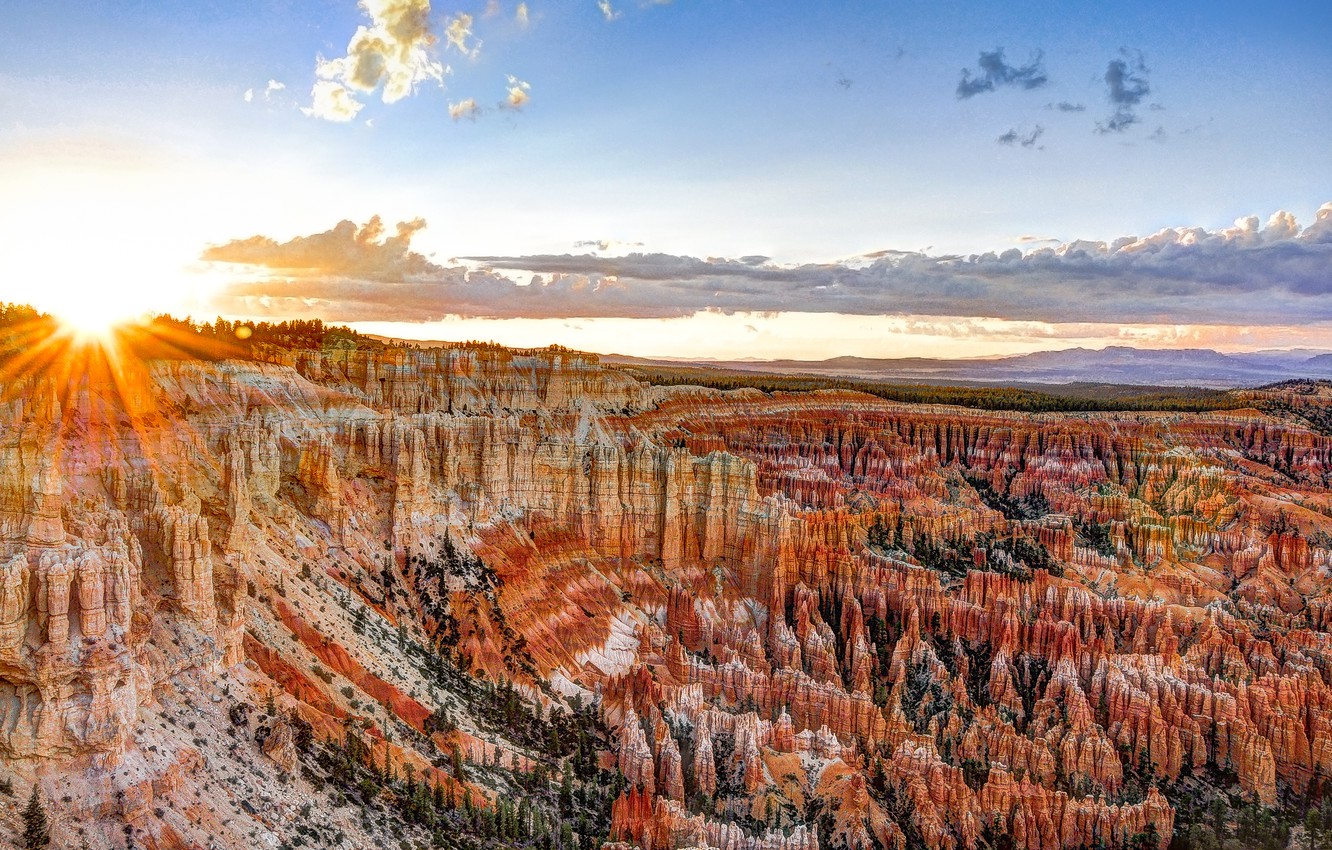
x=36, y=830
x=458, y=772
x=566, y=792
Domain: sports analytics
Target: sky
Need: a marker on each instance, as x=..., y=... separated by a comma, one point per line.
x=697, y=178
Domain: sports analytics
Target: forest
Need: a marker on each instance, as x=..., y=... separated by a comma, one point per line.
x=1073, y=398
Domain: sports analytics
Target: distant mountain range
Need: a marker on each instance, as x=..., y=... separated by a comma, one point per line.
x=1200, y=367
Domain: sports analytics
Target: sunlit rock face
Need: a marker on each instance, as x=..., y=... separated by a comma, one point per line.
x=817, y=620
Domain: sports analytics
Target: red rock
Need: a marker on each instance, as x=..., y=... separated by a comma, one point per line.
x=693, y=560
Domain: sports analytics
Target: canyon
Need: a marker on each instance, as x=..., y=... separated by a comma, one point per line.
x=806, y=621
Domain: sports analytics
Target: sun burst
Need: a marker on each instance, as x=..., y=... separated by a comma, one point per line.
x=89, y=380
x=88, y=322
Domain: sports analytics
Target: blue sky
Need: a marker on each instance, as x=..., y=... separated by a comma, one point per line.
x=804, y=133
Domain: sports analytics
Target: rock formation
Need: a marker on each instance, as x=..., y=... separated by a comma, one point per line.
x=806, y=620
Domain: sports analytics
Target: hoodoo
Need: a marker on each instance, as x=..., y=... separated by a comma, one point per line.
x=793, y=621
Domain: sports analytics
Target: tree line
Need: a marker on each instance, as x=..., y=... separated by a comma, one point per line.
x=1169, y=399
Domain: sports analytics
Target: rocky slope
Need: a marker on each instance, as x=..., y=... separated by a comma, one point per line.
x=481, y=597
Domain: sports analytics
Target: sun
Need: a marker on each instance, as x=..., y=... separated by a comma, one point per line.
x=88, y=321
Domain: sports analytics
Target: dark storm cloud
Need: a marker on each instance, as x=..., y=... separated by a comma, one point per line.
x=995, y=73
x=1126, y=85
x=1026, y=140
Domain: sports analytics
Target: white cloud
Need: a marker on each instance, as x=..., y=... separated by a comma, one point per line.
x=333, y=102
x=517, y=95
x=392, y=54
x=521, y=15
x=272, y=88
x=466, y=108
x=1321, y=229
x=604, y=245
x=457, y=31
x=607, y=11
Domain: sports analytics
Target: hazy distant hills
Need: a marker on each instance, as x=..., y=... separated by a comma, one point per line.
x=1113, y=365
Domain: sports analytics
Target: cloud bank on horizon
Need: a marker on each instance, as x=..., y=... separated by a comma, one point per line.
x=1251, y=273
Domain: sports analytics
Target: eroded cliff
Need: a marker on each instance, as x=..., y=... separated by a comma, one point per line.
x=792, y=621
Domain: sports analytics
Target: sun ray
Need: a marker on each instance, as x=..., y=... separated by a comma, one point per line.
x=94, y=388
